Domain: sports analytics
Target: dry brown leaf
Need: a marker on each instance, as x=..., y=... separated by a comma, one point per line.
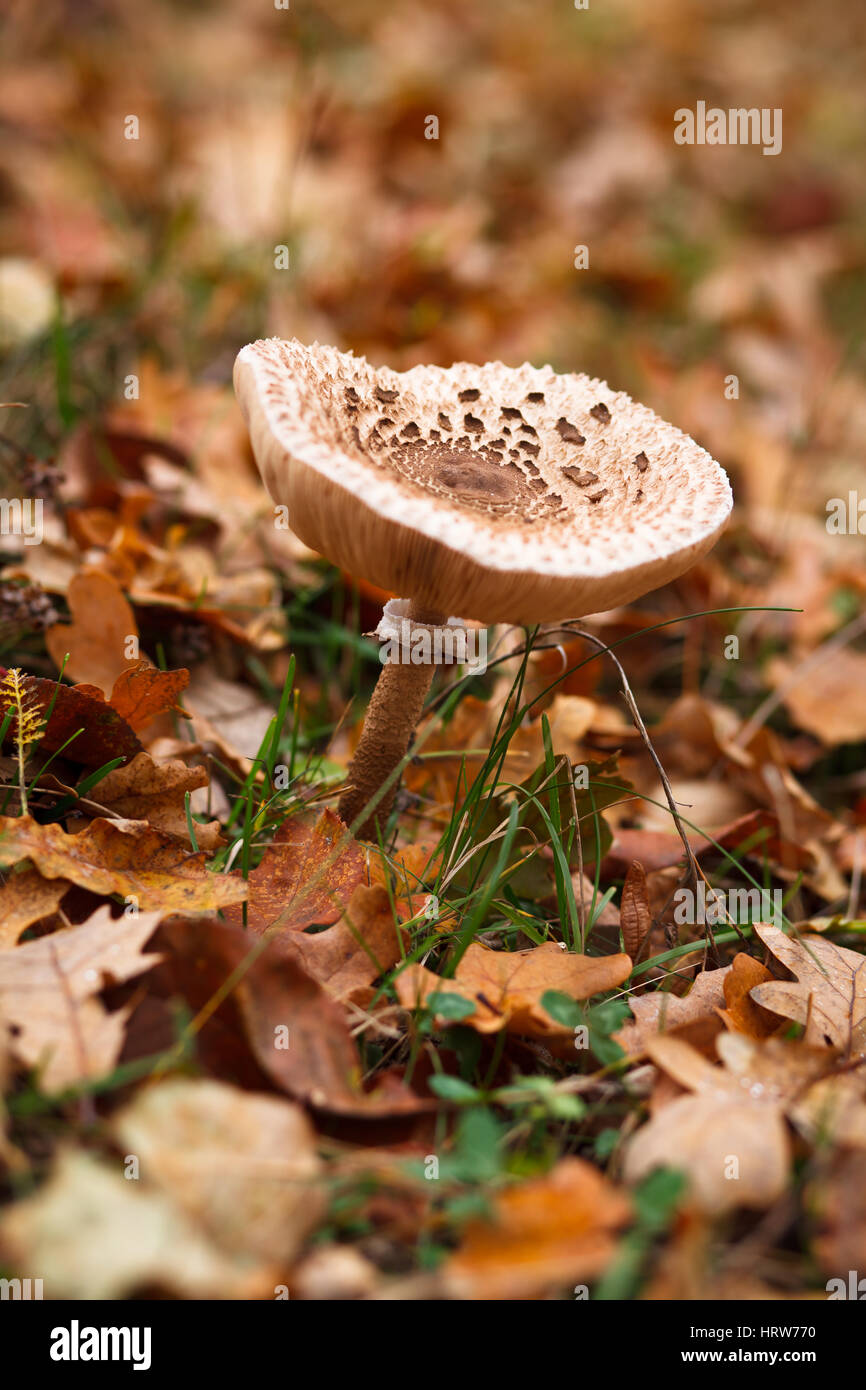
x=742, y=1014
x=544, y=1234
x=356, y=950
x=94, y=1235
x=87, y=729
x=658, y=849
x=143, y=790
x=306, y=877
x=97, y=639
x=662, y=1011
x=729, y=1137
x=506, y=986
x=226, y=713
x=829, y=997
x=242, y=1167
x=25, y=898
x=828, y=700
x=48, y=989
x=635, y=914
x=143, y=692
x=276, y=1011
x=124, y=857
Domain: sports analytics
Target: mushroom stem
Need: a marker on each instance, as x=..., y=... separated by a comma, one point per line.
x=392, y=714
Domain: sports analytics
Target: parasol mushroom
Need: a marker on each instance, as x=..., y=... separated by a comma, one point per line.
x=501, y=494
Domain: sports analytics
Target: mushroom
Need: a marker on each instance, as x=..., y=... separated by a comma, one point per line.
x=412, y=502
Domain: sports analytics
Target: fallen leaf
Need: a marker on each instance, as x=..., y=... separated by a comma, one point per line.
x=296, y=1033
x=25, y=898
x=227, y=713
x=658, y=849
x=48, y=989
x=143, y=692
x=742, y=1014
x=99, y=635
x=143, y=790
x=356, y=950
x=506, y=986
x=88, y=730
x=730, y=1136
x=543, y=1235
x=829, y=997
x=827, y=698
x=124, y=857
x=243, y=1167
x=635, y=914
x=94, y=1235
x=306, y=876
x=662, y=1011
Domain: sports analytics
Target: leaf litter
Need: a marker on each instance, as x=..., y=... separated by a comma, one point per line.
x=459, y=1063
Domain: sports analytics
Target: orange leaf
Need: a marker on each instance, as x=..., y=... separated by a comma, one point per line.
x=124, y=857
x=545, y=1233
x=143, y=692
x=306, y=876
x=98, y=636
x=350, y=955
x=506, y=986
x=742, y=1014
x=26, y=898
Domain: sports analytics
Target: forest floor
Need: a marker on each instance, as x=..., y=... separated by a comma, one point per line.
x=243, y=1052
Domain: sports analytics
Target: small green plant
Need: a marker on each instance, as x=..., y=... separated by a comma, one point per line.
x=20, y=709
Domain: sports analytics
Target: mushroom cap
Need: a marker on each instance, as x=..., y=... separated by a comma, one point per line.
x=505, y=494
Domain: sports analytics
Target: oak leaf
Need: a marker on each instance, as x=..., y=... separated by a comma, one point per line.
x=506, y=986
x=143, y=790
x=661, y=1011
x=356, y=950
x=48, y=994
x=306, y=877
x=88, y=730
x=741, y=1013
x=729, y=1136
x=124, y=857
x=829, y=995
x=297, y=1034
x=142, y=692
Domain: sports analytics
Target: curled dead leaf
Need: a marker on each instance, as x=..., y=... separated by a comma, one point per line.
x=125, y=857
x=506, y=986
